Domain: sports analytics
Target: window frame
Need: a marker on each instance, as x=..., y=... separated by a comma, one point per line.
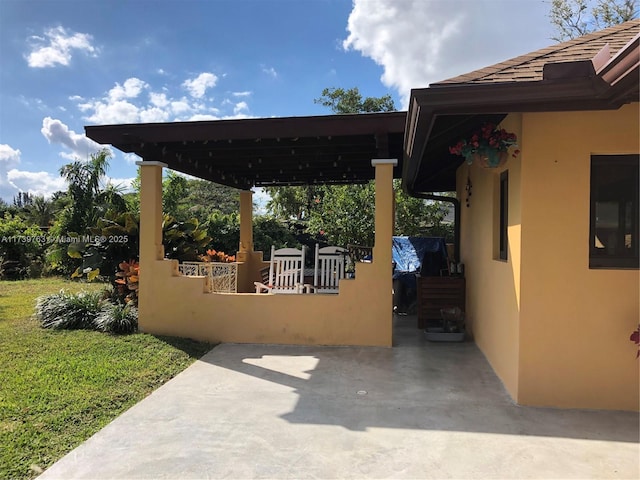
x=503, y=222
x=597, y=260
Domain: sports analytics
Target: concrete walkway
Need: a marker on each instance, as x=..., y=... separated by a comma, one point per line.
x=418, y=410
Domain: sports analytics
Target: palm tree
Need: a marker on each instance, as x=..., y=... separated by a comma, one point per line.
x=41, y=212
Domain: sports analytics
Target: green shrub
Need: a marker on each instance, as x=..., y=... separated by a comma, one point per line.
x=117, y=318
x=68, y=310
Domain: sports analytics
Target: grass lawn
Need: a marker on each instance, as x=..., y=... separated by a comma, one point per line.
x=58, y=388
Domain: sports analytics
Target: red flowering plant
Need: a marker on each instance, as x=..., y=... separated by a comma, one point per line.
x=215, y=256
x=635, y=338
x=489, y=143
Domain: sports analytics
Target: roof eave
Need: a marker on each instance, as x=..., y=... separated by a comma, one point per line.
x=589, y=91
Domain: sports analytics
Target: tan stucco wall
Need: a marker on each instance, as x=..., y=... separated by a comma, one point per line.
x=361, y=314
x=555, y=331
x=575, y=322
x=493, y=286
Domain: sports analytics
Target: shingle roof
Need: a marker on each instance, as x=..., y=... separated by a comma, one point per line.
x=529, y=67
x=577, y=75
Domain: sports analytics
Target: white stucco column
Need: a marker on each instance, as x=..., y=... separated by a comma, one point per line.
x=246, y=221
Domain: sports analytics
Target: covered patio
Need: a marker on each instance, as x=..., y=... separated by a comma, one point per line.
x=335, y=149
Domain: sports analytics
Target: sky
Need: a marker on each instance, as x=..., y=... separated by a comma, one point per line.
x=65, y=64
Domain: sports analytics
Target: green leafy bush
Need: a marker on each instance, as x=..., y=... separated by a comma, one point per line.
x=20, y=246
x=70, y=311
x=117, y=318
x=86, y=311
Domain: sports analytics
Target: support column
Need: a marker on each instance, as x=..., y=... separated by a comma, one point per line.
x=384, y=216
x=246, y=221
x=151, y=247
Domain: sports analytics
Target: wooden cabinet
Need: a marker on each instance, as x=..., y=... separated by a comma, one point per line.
x=435, y=293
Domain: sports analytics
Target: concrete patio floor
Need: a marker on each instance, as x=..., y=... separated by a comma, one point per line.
x=418, y=410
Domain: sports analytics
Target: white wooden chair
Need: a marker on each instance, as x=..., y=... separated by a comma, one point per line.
x=329, y=269
x=286, y=272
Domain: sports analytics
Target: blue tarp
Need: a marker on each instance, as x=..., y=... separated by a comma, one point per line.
x=427, y=255
x=409, y=252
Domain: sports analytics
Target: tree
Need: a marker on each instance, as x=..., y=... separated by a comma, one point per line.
x=20, y=246
x=574, y=18
x=343, y=215
x=340, y=100
x=84, y=179
x=87, y=201
x=174, y=188
x=41, y=212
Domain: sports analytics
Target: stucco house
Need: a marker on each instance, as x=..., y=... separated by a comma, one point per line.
x=550, y=239
x=551, y=298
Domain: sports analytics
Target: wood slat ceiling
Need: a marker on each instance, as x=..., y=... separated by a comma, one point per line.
x=334, y=149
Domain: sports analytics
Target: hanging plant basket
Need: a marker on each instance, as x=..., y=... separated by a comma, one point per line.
x=488, y=147
x=490, y=158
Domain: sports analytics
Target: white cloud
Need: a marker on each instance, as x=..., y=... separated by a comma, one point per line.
x=131, y=158
x=198, y=86
x=8, y=156
x=241, y=94
x=203, y=117
x=124, y=184
x=125, y=103
x=159, y=99
x=240, y=107
x=180, y=107
x=131, y=89
x=153, y=115
x=57, y=132
x=121, y=111
x=36, y=183
x=57, y=46
x=270, y=71
x=13, y=180
x=418, y=42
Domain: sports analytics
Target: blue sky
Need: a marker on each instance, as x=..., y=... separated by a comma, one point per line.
x=70, y=63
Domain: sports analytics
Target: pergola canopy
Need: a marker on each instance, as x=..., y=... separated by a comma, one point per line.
x=330, y=149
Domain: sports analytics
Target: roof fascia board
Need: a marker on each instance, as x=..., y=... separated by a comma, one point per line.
x=288, y=127
x=562, y=94
x=623, y=64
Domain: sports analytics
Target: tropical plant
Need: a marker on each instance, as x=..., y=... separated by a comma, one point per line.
x=21, y=247
x=224, y=230
x=69, y=311
x=216, y=256
x=41, y=212
x=183, y=241
x=127, y=282
x=88, y=202
x=117, y=318
x=115, y=237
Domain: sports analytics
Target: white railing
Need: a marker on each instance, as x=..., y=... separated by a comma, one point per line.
x=223, y=277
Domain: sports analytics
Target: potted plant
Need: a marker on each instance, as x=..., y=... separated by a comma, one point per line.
x=451, y=329
x=488, y=146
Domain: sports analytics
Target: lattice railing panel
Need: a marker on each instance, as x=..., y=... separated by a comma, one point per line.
x=223, y=277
